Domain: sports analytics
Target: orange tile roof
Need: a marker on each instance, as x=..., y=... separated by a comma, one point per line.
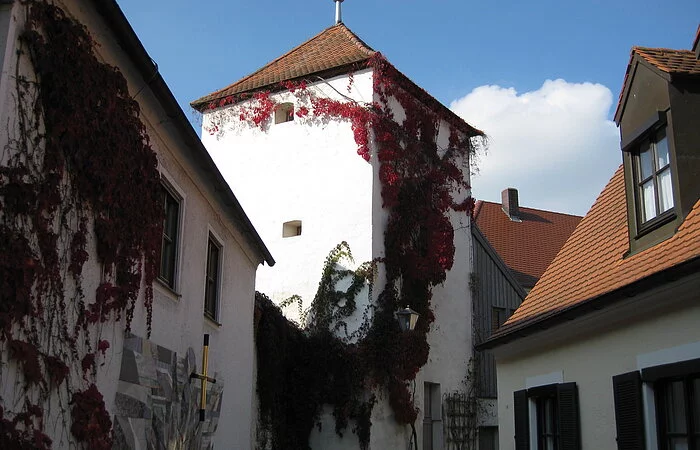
x=334, y=47
x=335, y=50
x=529, y=246
x=591, y=262
x=678, y=62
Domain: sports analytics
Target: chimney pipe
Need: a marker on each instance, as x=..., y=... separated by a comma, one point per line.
x=338, y=12
x=509, y=202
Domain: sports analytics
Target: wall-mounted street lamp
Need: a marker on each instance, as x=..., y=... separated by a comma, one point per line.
x=407, y=319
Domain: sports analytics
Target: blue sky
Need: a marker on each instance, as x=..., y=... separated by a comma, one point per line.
x=448, y=47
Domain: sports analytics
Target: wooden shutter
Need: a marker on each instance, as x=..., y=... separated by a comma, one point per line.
x=521, y=410
x=568, y=417
x=629, y=415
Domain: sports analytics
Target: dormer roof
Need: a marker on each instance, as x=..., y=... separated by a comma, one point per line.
x=592, y=268
x=666, y=62
x=335, y=47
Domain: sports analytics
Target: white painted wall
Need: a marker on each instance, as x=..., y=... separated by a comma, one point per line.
x=304, y=170
x=178, y=320
x=592, y=357
x=310, y=171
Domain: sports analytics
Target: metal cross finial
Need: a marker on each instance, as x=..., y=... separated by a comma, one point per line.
x=338, y=12
x=204, y=378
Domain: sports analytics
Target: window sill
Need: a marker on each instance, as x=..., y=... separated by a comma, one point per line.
x=655, y=223
x=167, y=290
x=211, y=321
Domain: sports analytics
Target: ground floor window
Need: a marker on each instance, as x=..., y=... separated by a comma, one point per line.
x=672, y=395
x=547, y=423
x=432, y=417
x=678, y=409
x=547, y=418
x=488, y=438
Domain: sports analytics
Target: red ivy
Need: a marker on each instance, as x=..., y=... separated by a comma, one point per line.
x=91, y=423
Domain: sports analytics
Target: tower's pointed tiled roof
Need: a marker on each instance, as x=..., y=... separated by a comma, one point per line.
x=333, y=48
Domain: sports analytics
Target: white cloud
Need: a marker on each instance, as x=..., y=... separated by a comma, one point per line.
x=555, y=145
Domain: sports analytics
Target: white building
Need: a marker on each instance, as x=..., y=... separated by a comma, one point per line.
x=298, y=174
x=206, y=279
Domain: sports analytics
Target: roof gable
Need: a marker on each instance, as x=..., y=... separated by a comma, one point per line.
x=668, y=63
x=527, y=247
x=333, y=48
x=592, y=263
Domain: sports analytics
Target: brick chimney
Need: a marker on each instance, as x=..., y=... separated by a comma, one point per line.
x=509, y=202
x=696, y=44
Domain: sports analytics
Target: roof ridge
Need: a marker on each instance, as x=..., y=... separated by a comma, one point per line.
x=362, y=45
x=530, y=208
x=674, y=50
x=264, y=66
x=352, y=37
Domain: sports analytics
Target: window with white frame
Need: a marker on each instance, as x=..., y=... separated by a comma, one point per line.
x=432, y=417
x=674, y=405
x=652, y=173
x=212, y=281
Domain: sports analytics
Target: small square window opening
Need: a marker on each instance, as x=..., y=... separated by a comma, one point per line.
x=291, y=228
x=284, y=113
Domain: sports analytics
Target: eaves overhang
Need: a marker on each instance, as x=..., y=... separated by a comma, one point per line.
x=127, y=39
x=550, y=319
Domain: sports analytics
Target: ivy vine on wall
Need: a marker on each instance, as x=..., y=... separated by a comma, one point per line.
x=79, y=193
x=419, y=181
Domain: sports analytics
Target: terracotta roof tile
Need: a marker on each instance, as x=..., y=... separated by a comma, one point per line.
x=679, y=62
x=591, y=262
x=334, y=47
x=529, y=246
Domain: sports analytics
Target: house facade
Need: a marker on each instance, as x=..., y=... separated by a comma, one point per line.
x=513, y=245
x=297, y=172
x=205, y=254
x=605, y=350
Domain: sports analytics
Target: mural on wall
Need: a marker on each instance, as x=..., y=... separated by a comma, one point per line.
x=156, y=405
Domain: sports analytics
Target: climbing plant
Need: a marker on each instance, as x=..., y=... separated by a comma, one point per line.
x=419, y=184
x=80, y=230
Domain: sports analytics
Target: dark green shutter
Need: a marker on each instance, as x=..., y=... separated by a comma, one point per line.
x=521, y=411
x=629, y=415
x=569, y=428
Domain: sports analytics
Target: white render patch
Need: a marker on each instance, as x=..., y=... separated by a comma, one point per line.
x=543, y=380
x=679, y=353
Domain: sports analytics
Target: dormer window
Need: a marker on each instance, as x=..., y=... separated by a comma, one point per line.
x=653, y=178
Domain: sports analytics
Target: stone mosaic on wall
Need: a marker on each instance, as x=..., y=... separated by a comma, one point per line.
x=156, y=405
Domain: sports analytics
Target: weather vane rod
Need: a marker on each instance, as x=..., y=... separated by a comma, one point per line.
x=338, y=12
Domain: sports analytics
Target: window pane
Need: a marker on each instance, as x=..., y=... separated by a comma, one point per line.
x=696, y=408
x=645, y=166
x=678, y=443
x=675, y=409
x=212, y=280
x=648, y=205
x=665, y=190
x=171, y=216
x=662, y=152
x=168, y=251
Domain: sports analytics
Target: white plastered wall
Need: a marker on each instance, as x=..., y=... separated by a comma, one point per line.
x=591, y=361
x=309, y=171
x=178, y=320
